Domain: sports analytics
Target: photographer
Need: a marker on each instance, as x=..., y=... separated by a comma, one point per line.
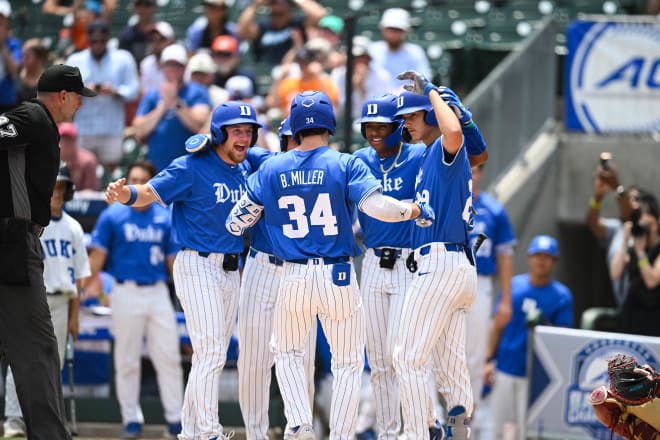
x=640, y=263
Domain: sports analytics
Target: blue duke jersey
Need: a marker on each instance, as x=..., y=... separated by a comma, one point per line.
x=398, y=182
x=447, y=187
x=309, y=198
x=118, y=231
x=203, y=188
x=492, y=220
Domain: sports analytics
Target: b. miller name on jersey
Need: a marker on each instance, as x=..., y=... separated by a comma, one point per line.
x=223, y=193
x=301, y=177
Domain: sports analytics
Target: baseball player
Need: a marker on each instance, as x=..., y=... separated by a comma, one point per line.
x=307, y=196
x=136, y=247
x=65, y=265
x=432, y=324
x=259, y=286
x=202, y=188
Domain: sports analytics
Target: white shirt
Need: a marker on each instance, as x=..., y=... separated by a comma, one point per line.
x=378, y=82
x=410, y=56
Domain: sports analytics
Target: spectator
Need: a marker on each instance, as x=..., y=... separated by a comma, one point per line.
x=201, y=70
x=535, y=298
x=170, y=114
x=640, y=262
x=328, y=31
x=81, y=163
x=113, y=74
x=203, y=31
x=272, y=38
x=368, y=80
x=83, y=13
x=10, y=59
x=135, y=38
x=35, y=57
x=394, y=53
x=160, y=36
x=224, y=51
x=240, y=88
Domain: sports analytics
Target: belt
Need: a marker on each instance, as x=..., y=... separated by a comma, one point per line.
x=205, y=254
x=380, y=251
x=56, y=293
x=449, y=247
x=317, y=260
x=32, y=227
x=138, y=283
x=272, y=259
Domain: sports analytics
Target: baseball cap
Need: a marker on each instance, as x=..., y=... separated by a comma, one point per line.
x=63, y=77
x=5, y=8
x=225, y=43
x=396, y=18
x=201, y=62
x=164, y=29
x=360, y=46
x=67, y=129
x=174, y=52
x=239, y=87
x=332, y=22
x=100, y=26
x=543, y=244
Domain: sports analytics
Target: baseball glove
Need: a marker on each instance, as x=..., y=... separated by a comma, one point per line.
x=630, y=406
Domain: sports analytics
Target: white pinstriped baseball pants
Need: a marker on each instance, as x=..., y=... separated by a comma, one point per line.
x=209, y=297
x=383, y=291
x=259, y=286
x=308, y=290
x=432, y=326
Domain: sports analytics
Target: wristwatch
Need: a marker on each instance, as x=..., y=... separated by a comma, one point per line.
x=180, y=104
x=620, y=190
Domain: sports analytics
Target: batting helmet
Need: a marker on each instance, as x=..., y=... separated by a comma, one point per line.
x=311, y=109
x=63, y=175
x=285, y=131
x=409, y=102
x=382, y=109
x=233, y=113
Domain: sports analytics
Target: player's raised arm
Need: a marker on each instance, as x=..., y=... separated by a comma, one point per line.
x=134, y=195
x=389, y=209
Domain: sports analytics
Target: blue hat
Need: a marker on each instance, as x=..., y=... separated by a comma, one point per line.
x=543, y=244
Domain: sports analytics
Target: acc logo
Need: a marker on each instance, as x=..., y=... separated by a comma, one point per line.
x=615, y=78
x=590, y=371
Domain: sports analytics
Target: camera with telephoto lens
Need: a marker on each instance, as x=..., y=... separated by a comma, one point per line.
x=638, y=229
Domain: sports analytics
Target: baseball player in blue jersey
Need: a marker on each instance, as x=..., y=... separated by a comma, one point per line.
x=307, y=197
x=432, y=324
x=65, y=266
x=202, y=188
x=135, y=246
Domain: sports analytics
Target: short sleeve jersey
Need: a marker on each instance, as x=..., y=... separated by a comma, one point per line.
x=492, y=220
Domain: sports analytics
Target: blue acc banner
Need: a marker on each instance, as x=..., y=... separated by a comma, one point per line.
x=613, y=77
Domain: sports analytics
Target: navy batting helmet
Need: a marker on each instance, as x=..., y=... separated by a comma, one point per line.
x=63, y=175
x=311, y=109
x=382, y=109
x=233, y=113
x=285, y=131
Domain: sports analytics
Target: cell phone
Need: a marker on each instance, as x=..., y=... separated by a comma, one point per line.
x=605, y=159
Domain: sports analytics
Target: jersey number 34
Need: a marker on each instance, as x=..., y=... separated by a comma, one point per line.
x=321, y=215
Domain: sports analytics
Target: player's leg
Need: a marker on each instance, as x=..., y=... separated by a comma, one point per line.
x=164, y=352
x=129, y=321
x=342, y=318
x=295, y=314
x=258, y=293
x=504, y=406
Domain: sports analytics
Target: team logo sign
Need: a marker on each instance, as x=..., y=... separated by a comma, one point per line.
x=613, y=77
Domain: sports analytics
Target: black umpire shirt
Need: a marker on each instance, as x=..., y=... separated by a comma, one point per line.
x=29, y=161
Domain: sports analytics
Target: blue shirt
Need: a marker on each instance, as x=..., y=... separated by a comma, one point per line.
x=309, y=198
x=136, y=243
x=447, y=187
x=167, y=141
x=492, y=220
x=7, y=82
x=399, y=183
x=202, y=189
x=554, y=300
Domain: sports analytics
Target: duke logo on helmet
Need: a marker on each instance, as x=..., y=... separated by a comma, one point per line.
x=382, y=109
x=409, y=102
x=311, y=109
x=233, y=113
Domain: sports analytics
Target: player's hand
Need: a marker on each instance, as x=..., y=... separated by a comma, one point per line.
x=609, y=175
x=426, y=215
x=197, y=142
x=420, y=85
x=113, y=190
x=463, y=113
x=503, y=314
x=73, y=327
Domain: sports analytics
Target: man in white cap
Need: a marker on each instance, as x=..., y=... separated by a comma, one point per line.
x=160, y=35
x=394, y=53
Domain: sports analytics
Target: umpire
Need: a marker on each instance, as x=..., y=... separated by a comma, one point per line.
x=29, y=162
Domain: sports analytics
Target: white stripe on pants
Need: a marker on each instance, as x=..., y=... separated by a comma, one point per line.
x=307, y=290
x=209, y=297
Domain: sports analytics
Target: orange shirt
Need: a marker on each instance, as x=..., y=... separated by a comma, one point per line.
x=290, y=87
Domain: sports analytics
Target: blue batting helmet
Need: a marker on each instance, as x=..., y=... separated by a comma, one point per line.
x=409, y=102
x=233, y=113
x=285, y=131
x=543, y=244
x=382, y=109
x=311, y=109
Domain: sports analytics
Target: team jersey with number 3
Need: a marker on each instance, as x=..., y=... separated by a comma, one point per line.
x=447, y=187
x=309, y=198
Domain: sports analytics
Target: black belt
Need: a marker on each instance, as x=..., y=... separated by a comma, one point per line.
x=271, y=258
x=206, y=254
x=138, y=283
x=31, y=226
x=56, y=293
x=317, y=260
x=449, y=247
x=379, y=252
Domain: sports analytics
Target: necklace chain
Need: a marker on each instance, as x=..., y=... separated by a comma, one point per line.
x=385, y=171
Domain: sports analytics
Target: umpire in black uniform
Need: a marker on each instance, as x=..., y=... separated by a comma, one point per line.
x=29, y=162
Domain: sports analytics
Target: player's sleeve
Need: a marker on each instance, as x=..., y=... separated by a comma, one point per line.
x=102, y=233
x=360, y=182
x=505, y=237
x=174, y=182
x=563, y=316
x=80, y=259
x=255, y=186
x=257, y=155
